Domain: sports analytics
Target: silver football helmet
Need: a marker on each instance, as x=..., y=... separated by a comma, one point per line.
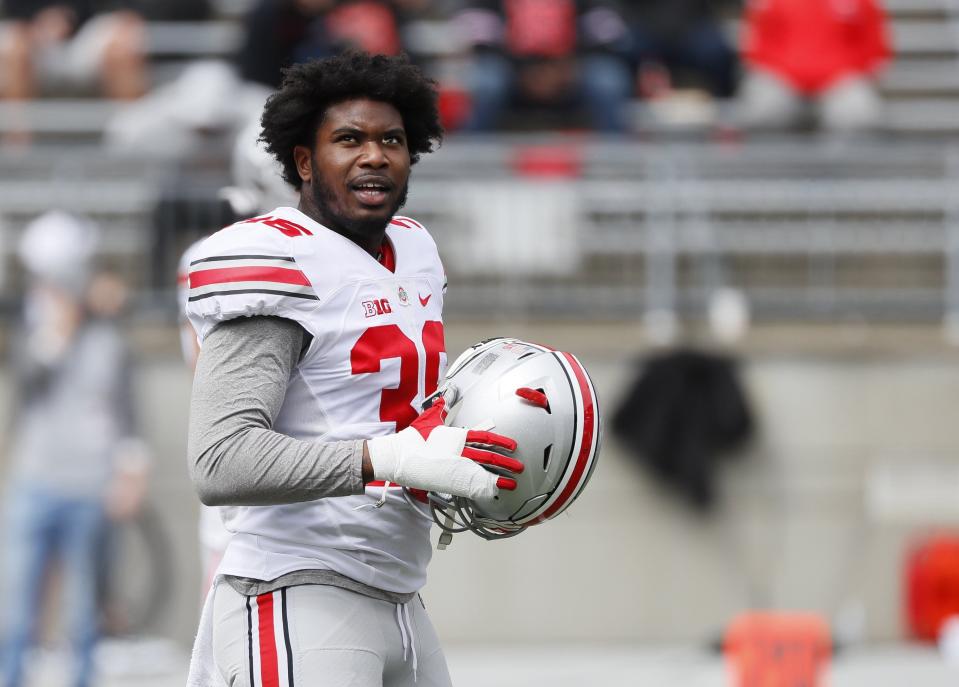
x=258, y=183
x=545, y=400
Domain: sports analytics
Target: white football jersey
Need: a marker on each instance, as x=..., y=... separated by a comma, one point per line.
x=377, y=351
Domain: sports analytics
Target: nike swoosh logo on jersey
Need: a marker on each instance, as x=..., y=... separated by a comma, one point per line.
x=424, y=301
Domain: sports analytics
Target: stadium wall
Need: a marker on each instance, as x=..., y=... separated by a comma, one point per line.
x=630, y=562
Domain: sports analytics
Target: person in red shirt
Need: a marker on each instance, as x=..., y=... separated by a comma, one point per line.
x=821, y=52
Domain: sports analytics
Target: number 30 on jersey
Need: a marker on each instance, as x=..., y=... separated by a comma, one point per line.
x=387, y=341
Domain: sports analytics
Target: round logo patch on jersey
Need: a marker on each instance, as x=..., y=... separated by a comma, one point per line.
x=404, y=297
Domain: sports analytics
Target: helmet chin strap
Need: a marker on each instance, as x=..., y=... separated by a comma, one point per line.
x=447, y=391
x=446, y=538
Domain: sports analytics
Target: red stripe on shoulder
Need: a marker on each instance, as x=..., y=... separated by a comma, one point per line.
x=225, y=275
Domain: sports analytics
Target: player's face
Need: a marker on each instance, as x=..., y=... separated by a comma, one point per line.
x=356, y=178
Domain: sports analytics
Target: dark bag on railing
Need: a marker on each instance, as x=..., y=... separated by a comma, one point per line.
x=684, y=411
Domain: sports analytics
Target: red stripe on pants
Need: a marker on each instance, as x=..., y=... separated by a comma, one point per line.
x=269, y=671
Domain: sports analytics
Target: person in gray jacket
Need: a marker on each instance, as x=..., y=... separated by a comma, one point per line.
x=76, y=459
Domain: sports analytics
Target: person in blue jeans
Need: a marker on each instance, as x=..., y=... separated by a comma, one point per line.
x=557, y=54
x=45, y=525
x=77, y=462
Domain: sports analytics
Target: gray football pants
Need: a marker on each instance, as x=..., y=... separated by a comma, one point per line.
x=317, y=635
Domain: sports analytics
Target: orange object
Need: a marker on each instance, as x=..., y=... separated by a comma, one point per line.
x=777, y=649
x=932, y=584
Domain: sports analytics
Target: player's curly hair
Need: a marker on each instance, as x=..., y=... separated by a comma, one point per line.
x=293, y=113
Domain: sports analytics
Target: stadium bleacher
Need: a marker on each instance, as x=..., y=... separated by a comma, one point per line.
x=806, y=225
x=921, y=86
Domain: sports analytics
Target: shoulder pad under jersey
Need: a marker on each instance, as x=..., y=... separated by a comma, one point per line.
x=246, y=270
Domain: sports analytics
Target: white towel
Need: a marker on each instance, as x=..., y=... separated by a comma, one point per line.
x=203, y=672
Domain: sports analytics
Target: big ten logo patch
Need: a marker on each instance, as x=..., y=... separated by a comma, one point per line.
x=379, y=306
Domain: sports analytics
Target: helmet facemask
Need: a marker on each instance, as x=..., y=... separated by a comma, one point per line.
x=544, y=400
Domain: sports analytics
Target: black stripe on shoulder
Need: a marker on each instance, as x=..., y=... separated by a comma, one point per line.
x=306, y=296
x=218, y=258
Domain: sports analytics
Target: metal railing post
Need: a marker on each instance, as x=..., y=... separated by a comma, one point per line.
x=659, y=317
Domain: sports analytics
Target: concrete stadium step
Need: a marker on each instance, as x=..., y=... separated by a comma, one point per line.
x=921, y=76
x=924, y=37
x=218, y=38
x=78, y=116
x=927, y=115
x=922, y=8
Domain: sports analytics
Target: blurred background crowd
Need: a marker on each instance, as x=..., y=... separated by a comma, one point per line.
x=741, y=214
x=514, y=64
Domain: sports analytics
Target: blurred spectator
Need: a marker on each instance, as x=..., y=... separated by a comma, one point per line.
x=284, y=32
x=547, y=53
x=681, y=35
x=77, y=461
x=186, y=115
x=62, y=46
x=820, y=52
x=173, y=10
x=258, y=183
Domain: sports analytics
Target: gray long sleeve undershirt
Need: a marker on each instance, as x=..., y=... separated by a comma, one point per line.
x=236, y=459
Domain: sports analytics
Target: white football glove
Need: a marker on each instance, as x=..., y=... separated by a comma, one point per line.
x=448, y=460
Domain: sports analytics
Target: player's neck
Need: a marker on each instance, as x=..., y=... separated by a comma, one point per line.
x=372, y=242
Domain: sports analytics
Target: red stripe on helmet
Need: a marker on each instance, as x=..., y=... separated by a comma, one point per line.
x=586, y=444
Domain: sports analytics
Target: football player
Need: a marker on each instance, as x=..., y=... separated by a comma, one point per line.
x=321, y=335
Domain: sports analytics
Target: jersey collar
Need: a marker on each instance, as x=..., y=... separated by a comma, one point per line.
x=386, y=256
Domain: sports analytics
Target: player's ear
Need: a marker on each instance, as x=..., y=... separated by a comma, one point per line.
x=302, y=157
